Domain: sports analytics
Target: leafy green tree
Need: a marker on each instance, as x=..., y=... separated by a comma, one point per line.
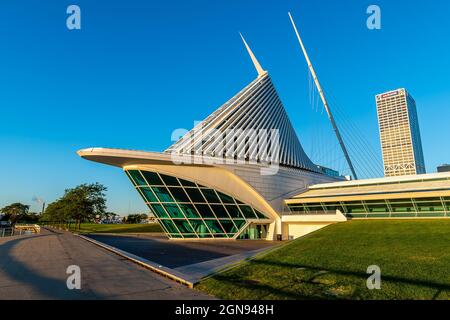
x=56, y=211
x=82, y=203
x=14, y=212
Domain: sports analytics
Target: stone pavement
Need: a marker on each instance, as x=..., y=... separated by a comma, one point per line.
x=34, y=267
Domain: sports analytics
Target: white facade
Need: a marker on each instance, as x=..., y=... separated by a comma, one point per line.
x=399, y=134
x=229, y=176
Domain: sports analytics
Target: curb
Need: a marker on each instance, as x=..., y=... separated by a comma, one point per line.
x=157, y=268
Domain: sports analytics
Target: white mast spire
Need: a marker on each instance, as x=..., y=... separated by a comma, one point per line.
x=258, y=67
x=324, y=100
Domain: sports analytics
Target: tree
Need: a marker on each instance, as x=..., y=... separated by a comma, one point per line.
x=15, y=212
x=136, y=218
x=81, y=203
x=56, y=211
x=111, y=216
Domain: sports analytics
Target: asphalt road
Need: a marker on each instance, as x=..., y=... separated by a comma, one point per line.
x=175, y=253
x=34, y=267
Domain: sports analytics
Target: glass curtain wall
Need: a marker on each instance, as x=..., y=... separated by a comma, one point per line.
x=401, y=208
x=186, y=209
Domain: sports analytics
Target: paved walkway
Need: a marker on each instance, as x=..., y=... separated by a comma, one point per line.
x=34, y=267
x=175, y=254
x=187, y=252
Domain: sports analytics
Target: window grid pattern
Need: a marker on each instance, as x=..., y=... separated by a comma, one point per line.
x=185, y=209
x=399, y=134
x=400, y=208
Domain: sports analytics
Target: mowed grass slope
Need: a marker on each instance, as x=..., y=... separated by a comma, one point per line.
x=118, y=228
x=414, y=257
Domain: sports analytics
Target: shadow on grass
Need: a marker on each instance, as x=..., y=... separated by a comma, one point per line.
x=431, y=284
x=264, y=289
x=321, y=292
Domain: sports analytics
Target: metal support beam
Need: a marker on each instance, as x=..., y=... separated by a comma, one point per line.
x=324, y=100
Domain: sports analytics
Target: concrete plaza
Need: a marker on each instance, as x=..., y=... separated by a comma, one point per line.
x=175, y=253
x=34, y=267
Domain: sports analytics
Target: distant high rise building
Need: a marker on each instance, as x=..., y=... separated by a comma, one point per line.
x=401, y=144
x=444, y=168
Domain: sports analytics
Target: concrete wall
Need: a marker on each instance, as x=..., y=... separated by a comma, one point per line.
x=286, y=183
x=295, y=226
x=296, y=230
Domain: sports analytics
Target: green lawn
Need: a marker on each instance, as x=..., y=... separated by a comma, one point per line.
x=414, y=257
x=118, y=228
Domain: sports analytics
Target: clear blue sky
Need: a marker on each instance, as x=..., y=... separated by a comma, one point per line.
x=140, y=69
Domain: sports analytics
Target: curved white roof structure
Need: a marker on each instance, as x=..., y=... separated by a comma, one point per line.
x=228, y=177
x=251, y=126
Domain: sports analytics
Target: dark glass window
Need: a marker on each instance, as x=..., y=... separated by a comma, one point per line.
x=314, y=209
x=195, y=195
x=159, y=211
x=332, y=206
x=169, y=226
x=351, y=203
x=219, y=210
x=129, y=177
x=222, y=216
x=179, y=194
x=187, y=183
x=260, y=215
x=214, y=226
x=210, y=195
x=199, y=226
x=169, y=180
x=163, y=194
x=189, y=210
x=297, y=208
x=376, y=208
x=355, y=207
x=137, y=178
x=428, y=200
x=225, y=198
x=247, y=211
x=228, y=226
x=205, y=211
x=402, y=207
x=152, y=178
x=239, y=223
x=447, y=204
x=149, y=196
x=430, y=206
x=234, y=211
x=173, y=210
x=183, y=226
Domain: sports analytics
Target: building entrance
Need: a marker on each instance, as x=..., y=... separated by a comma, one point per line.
x=254, y=232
